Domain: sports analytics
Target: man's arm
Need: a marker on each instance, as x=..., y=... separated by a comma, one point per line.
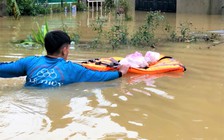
x=82, y=74
x=12, y=69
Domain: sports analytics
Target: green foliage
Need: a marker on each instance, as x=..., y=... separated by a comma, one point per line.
x=75, y=37
x=185, y=29
x=81, y=6
x=98, y=27
x=117, y=36
x=13, y=8
x=56, y=8
x=124, y=7
x=94, y=43
x=145, y=35
x=109, y=5
x=183, y=33
x=38, y=36
x=26, y=7
x=36, y=40
x=154, y=19
x=43, y=9
x=172, y=33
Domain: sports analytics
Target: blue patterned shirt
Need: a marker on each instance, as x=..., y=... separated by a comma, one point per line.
x=43, y=71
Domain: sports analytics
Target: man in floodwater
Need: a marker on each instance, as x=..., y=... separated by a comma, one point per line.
x=53, y=70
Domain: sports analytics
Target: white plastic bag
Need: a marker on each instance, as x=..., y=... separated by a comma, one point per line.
x=135, y=60
x=151, y=57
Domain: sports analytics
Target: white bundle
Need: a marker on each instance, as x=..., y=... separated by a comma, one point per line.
x=137, y=60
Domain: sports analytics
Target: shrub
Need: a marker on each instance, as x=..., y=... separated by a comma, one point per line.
x=145, y=35
x=117, y=36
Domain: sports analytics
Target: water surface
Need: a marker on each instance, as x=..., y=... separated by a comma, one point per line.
x=159, y=107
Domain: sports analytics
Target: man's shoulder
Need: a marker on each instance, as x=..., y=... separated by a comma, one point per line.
x=33, y=57
x=29, y=59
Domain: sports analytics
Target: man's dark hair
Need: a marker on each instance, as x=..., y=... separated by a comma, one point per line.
x=54, y=40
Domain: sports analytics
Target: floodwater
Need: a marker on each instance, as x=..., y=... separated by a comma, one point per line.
x=187, y=106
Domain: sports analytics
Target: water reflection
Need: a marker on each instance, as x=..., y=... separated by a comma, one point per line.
x=76, y=112
x=149, y=79
x=150, y=86
x=21, y=115
x=89, y=120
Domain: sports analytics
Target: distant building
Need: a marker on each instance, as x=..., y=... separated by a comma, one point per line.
x=182, y=6
x=156, y=5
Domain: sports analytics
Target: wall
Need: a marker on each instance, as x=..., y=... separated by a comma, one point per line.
x=217, y=6
x=193, y=6
x=3, y=8
x=200, y=6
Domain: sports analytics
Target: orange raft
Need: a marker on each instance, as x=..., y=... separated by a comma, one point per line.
x=163, y=65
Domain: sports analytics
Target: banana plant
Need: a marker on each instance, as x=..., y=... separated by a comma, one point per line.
x=39, y=35
x=15, y=9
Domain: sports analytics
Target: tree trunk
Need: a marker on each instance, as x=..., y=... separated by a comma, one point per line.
x=3, y=8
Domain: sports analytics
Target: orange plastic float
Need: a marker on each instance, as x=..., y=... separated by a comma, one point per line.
x=163, y=65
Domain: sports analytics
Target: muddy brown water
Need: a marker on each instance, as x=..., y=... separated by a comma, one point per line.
x=187, y=106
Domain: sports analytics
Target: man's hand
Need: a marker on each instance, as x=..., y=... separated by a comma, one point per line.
x=123, y=69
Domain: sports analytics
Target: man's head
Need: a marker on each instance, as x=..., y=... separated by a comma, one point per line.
x=56, y=42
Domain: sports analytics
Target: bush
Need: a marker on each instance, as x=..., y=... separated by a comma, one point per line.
x=117, y=36
x=81, y=6
x=29, y=7
x=145, y=35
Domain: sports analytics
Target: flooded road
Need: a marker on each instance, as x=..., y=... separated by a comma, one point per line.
x=186, y=106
